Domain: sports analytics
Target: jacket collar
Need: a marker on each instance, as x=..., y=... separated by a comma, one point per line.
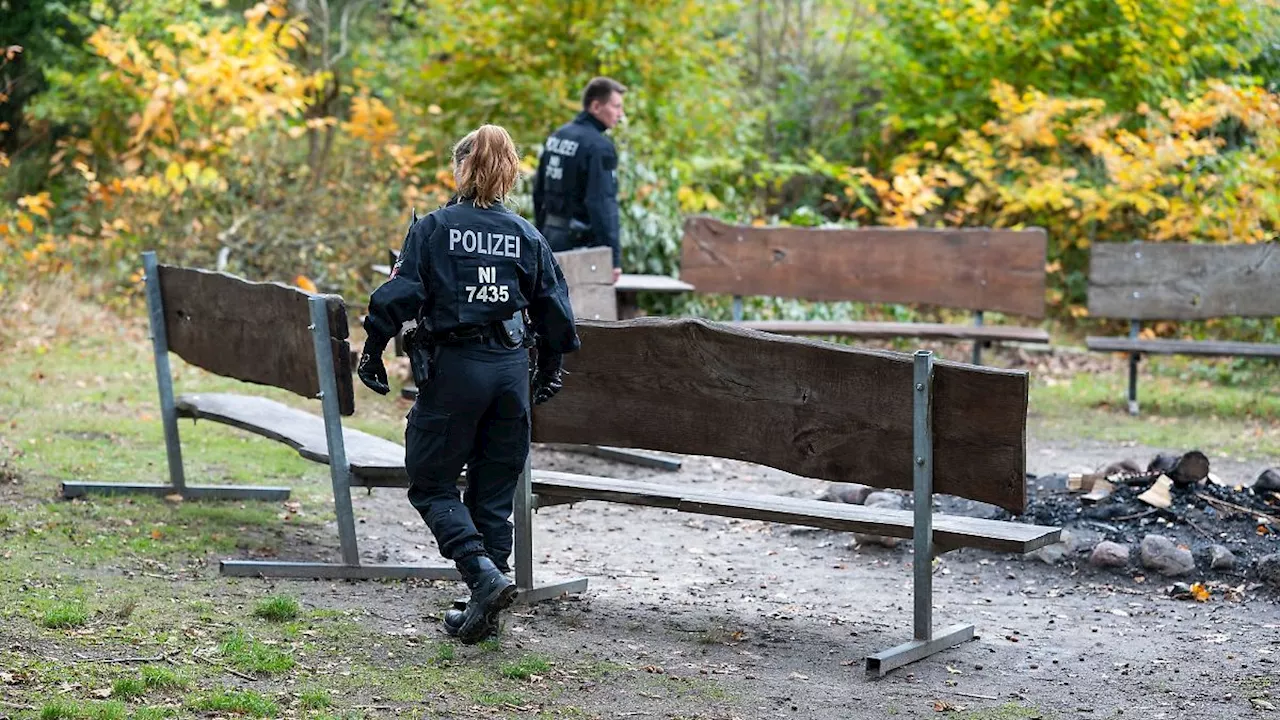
x=586, y=118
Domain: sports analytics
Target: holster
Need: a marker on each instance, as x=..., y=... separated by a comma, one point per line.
x=421, y=356
x=573, y=229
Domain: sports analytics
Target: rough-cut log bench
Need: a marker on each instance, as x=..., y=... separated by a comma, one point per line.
x=1181, y=281
x=811, y=408
x=978, y=269
x=688, y=386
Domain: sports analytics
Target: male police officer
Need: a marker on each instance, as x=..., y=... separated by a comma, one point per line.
x=469, y=272
x=575, y=193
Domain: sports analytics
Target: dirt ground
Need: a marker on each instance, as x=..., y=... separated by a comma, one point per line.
x=782, y=617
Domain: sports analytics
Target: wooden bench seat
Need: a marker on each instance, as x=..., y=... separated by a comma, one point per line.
x=950, y=531
x=374, y=461
x=976, y=269
x=1183, y=347
x=888, y=330
x=1181, y=281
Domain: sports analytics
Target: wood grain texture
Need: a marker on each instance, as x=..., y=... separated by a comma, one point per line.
x=886, y=330
x=628, y=282
x=1183, y=347
x=814, y=409
x=977, y=269
x=589, y=275
x=1181, y=281
x=251, y=331
x=373, y=461
x=950, y=531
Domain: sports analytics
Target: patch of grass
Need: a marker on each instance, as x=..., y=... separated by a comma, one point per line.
x=65, y=615
x=315, y=699
x=497, y=699
x=250, y=655
x=128, y=688
x=527, y=667
x=122, y=608
x=719, y=635
x=490, y=645
x=444, y=654
x=279, y=608
x=243, y=702
x=113, y=710
x=157, y=677
x=60, y=710
x=1008, y=711
x=1256, y=685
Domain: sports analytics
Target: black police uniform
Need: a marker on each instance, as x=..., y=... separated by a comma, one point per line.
x=575, y=192
x=462, y=272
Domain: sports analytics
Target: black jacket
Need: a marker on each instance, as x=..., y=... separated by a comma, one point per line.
x=577, y=179
x=464, y=266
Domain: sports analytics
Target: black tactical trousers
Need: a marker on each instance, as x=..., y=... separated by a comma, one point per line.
x=474, y=411
x=561, y=239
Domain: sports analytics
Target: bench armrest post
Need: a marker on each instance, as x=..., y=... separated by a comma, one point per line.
x=164, y=377
x=922, y=537
x=737, y=308
x=977, y=344
x=339, y=470
x=1135, y=329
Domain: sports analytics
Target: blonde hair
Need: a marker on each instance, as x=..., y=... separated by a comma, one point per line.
x=486, y=165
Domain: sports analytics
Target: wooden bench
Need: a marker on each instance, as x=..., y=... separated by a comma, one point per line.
x=811, y=408
x=1180, y=281
x=975, y=269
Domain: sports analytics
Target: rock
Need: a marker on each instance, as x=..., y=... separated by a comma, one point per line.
x=882, y=499
x=1107, y=554
x=1269, y=569
x=1052, y=554
x=881, y=540
x=1269, y=479
x=848, y=493
x=1121, y=467
x=1080, y=542
x=1160, y=554
x=1220, y=558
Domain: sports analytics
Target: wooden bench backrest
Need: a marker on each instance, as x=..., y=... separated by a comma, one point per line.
x=589, y=274
x=1180, y=281
x=251, y=331
x=975, y=269
x=811, y=408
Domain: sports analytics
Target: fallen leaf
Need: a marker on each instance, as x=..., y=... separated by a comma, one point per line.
x=953, y=671
x=1200, y=592
x=174, y=498
x=101, y=692
x=944, y=706
x=305, y=283
x=156, y=534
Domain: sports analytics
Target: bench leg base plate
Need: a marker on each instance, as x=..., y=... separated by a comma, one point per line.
x=192, y=492
x=881, y=663
x=332, y=571
x=529, y=596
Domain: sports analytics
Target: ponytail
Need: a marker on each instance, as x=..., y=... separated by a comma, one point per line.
x=486, y=165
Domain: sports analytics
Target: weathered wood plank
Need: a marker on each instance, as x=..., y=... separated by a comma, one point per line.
x=589, y=275
x=370, y=457
x=977, y=269
x=950, y=532
x=1183, y=347
x=810, y=408
x=651, y=283
x=252, y=331
x=887, y=330
x=1181, y=281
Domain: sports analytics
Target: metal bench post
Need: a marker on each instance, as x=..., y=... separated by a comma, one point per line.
x=524, y=505
x=737, y=308
x=925, y=643
x=1135, y=328
x=340, y=474
x=169, y=419
x=977, y=344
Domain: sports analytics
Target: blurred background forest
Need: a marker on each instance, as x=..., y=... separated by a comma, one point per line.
x=289, y=139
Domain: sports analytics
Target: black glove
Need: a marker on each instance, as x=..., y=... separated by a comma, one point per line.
x=548, y=379
x=371, y=370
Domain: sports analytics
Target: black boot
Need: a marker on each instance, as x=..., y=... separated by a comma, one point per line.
x=491, y=593
x=453, y=616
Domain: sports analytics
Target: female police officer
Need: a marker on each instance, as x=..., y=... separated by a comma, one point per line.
x=469, y=272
